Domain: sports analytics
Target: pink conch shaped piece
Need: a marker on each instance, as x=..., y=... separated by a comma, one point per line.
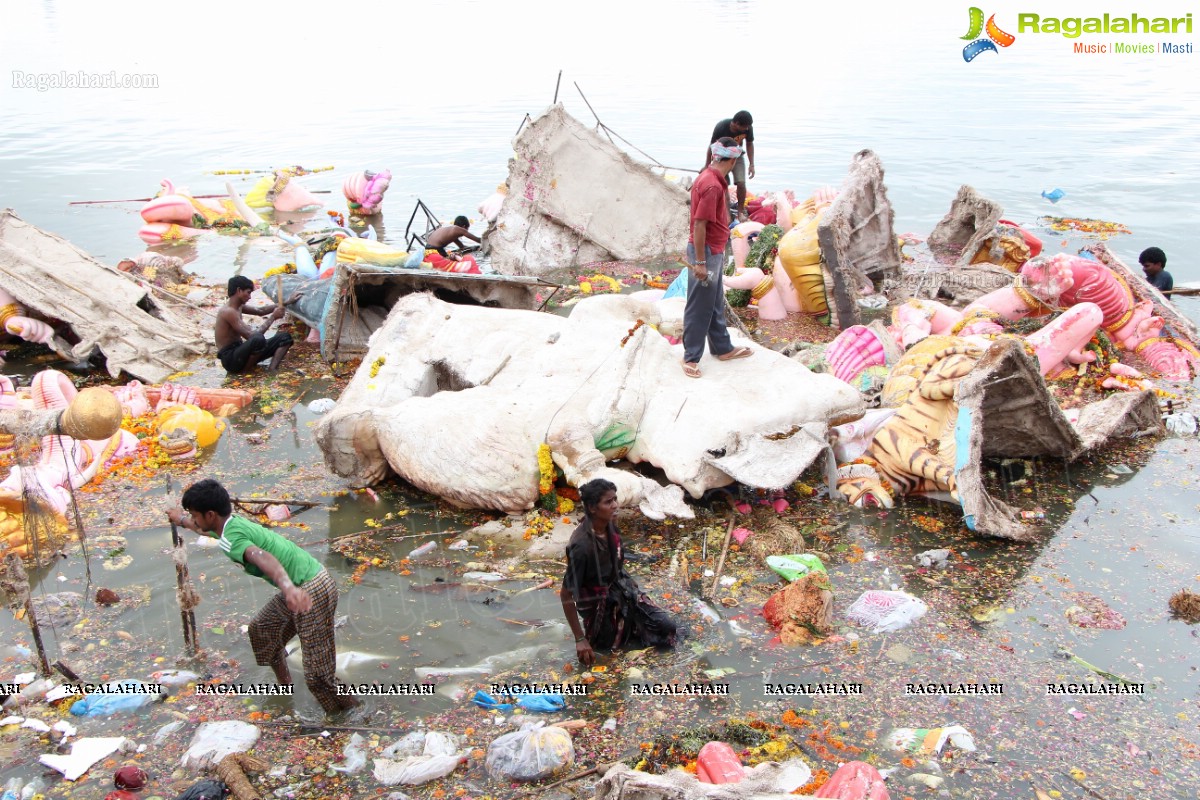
x=1060, y=343
x=741, y=239
x=295, y=197
x=160, y=232
x=169, y=206
x=854, y=349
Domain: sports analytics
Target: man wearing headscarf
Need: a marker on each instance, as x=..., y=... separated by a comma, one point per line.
x=704, y=313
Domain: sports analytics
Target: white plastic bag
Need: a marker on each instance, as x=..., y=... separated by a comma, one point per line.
x=412, y=744
x=215, y=740
x=884, y=612
x=533, y=753
x=415, y=770
x=322, y=405
x=354, y=755
x=85, y=753
x=440, y=744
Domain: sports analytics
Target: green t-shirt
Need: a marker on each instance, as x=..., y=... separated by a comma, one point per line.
x=241, y=533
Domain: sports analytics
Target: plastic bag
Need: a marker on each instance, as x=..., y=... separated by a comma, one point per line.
x=133, y=695
x=542, y=703
x=354, y=755
x=1181, y=423
x=84, y=753
x=533, y=753
x=322, y=405
x=205, y=790
x=930, y=740
x=486, y=701
x=415, y=770
x=791, y=567
x=441, y=744
x=215, y=740
x=411, y=745
x=885, y=612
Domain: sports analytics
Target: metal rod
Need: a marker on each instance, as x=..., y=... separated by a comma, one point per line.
x=589, y=105
x=556, y=84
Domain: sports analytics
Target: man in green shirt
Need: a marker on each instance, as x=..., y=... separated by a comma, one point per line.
x=307, y=598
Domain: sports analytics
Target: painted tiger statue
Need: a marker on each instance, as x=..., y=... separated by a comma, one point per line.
x=914, y=451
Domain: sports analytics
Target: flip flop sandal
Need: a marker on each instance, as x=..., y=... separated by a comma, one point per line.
x=737, y=352
x=691, y=370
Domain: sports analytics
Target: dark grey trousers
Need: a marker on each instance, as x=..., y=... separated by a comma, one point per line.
x=704, y=313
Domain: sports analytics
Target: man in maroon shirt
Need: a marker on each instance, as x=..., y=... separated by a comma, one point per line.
x=704, y=313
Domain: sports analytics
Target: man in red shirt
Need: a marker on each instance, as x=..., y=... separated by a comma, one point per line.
x=704, y=313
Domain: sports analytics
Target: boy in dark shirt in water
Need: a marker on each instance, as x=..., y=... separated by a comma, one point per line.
x=1154, y=262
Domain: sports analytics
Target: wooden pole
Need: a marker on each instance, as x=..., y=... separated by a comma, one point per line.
x=187, y=616
x=148, y=199
x=724, y=551
x=268, y=501
x=17, y=574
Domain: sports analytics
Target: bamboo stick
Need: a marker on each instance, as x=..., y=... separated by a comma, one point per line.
x=267, y=501
x=148, y=199
x=187, y=616
x=724, y=551
x=17, y=574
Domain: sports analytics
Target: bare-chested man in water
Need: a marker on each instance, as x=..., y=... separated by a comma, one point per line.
x=240, y=348
x=450, y=234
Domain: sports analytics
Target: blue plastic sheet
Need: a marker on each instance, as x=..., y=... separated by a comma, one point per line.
x=119, y=696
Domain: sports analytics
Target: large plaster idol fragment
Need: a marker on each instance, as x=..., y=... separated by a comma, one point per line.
x=574, y=197
x=456, y=400
x=857, y=238
x=136, y=331
x=967, y=226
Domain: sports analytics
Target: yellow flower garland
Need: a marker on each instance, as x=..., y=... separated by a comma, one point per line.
x=376, y=365
x=546, y=468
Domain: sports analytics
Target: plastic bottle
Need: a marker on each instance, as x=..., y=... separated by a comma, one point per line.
x=32, y=789
x=12, y=790
x=428, y=547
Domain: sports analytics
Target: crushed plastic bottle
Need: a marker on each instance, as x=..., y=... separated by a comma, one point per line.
x=12, y=790
x=428, y=547
x=705, y=610
x=32, y=789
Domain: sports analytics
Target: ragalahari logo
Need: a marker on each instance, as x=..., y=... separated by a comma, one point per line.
x=995, y=36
